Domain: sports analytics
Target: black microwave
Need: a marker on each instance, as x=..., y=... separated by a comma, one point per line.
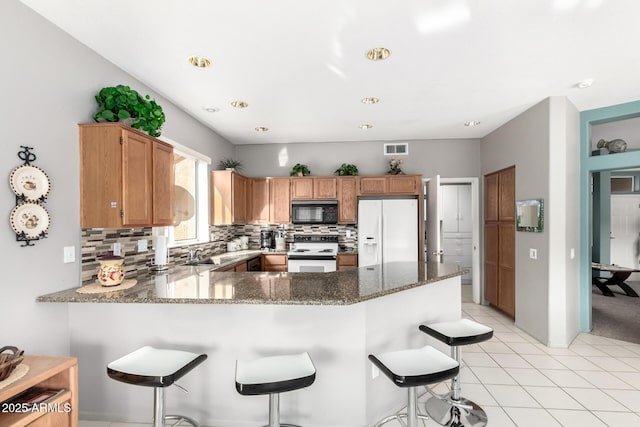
x=314, y=212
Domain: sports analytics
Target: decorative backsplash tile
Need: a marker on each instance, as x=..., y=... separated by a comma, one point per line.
x=98, y=242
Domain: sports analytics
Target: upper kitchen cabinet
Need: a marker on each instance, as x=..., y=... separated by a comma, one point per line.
x=313, y=188
x=325, y=188
x=126, y=178
x=228, y=198
x=280, y=201
x=301, y=188
x=347, y=200
x=389, y=185
x=259, y=200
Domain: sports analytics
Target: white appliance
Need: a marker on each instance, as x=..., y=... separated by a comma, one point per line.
x=313, y=253
x=387, y=231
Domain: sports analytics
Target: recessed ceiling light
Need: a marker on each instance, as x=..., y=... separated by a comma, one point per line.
x=378, y=53
x=365, y=126
x=239, y=104
x=199, y=61
x=261, y=129
x=370, y=100
x=585, y=84
x=210, y=109
x=472, y=123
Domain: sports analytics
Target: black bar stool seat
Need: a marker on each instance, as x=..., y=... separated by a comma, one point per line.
x=157, y=368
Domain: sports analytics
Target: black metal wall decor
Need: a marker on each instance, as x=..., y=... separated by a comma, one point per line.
x=31, y=185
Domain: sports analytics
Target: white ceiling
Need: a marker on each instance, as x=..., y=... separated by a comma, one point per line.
x=301, y=64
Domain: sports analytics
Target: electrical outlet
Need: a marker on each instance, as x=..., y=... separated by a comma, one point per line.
x=69, y=254
x=142, y=245
x=533, y=253
x=572, y=253
x=117, y=249
x=348, y=234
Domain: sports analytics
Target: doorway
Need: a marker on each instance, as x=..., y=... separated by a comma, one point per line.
x=434, y=231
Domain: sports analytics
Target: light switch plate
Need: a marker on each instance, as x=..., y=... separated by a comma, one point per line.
x=69, y=254
x=117, y=249
x=533, y=253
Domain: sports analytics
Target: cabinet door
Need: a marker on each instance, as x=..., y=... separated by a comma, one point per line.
x=491, y=197
x=506, y=268
x=220, y=198
x=507, y=195
x=137, y=178
x=163, y=184
x=347, y=201
x=274, y=262
x=280, y=201
x=491, y=252
x=347, y=261
x=400, y=184
x=239, y=196
x=372, y=185
x=240, y=267
x=324, y=188
x=259, y=206
x=301, y=188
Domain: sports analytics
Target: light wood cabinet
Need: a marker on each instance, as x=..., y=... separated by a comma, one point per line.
x=371, y=185
x=313, y=188
x=347, y=200
x=280, y=206
x=389, y=185
x=126, y=178
x=302, y=188
x=347, y=261
x=228, y=198
x=274, y=262
x=499, y=240
x=259, y=200
x=325, y=188
x=55, y=373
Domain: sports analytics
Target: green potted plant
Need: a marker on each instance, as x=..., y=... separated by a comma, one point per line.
x=121, y=103
x=230, y=164
x=300, y=170
x=347, y=169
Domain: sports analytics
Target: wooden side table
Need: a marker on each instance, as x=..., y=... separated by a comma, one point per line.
x=47, y=372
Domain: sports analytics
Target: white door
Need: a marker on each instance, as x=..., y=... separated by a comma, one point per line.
x=625, y=231
x=399, y=230
x=369, y=232
x=434, y=221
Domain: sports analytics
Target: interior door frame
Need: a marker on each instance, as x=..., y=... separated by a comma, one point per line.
x=475, y=214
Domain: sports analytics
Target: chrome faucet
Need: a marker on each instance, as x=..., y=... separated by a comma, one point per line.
x=195, y=255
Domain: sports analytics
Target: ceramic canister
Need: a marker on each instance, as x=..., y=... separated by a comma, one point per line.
x=111, y=272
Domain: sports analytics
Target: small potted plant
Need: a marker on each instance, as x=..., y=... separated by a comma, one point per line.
x=299, y=170
x=347, y=170
x=121, y=103
x=229, y=164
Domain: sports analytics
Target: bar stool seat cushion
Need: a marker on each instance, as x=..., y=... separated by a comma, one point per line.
x=416, y=367
x=459, y=332
x=274, y=374
x=153, y=367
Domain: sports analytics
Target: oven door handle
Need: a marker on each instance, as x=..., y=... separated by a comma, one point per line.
x=312, y=258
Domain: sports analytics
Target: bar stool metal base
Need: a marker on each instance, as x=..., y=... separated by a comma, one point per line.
x=460, y=413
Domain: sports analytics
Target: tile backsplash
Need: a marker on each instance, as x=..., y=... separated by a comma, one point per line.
x=98, y=242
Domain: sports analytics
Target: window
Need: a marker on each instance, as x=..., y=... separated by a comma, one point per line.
x=191, y=198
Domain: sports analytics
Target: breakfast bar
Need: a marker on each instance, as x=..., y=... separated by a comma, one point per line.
x=338, y=318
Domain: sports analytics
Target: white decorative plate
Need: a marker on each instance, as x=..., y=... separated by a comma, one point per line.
x=31, y=218
x=29, y=181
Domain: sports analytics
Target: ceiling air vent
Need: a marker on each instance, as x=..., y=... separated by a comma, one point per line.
x=396, y=149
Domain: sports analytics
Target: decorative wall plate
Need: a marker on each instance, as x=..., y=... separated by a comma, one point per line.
x=30, y=218
x=29, y=181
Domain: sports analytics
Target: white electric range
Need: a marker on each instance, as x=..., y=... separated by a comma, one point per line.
x=316, y=253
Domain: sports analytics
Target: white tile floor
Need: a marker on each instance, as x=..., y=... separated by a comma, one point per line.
x=520, y=382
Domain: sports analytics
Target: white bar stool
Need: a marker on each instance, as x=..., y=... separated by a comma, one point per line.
x=452, y=409
x=157, y=368
x=274, y=375
x=411, y=369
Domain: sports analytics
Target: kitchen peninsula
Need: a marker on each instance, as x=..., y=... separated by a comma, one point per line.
x=338, y=317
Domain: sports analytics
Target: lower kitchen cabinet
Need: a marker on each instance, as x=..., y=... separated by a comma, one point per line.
x=274, y=262
x=347, y=261
x=58, y=374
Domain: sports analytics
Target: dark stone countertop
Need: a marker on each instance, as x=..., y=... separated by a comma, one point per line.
x=203, y=285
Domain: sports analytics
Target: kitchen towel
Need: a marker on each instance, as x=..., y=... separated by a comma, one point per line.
x=160, y=249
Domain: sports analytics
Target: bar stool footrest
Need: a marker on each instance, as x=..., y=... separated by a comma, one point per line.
x=460, y=413
x=398, y=417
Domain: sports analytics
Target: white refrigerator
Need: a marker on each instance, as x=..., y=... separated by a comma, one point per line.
x=387, y=231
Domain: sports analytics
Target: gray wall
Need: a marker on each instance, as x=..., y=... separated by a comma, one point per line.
x=450, y=158
x=543, y=144
x=49, y=80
